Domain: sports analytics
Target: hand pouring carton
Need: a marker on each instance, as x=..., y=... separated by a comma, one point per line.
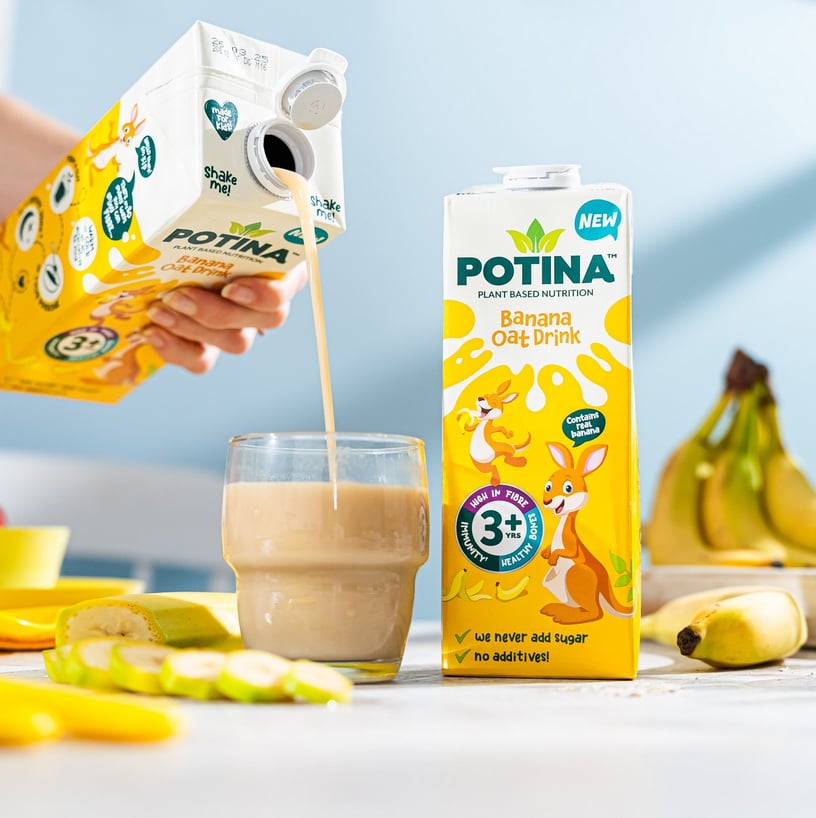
x=173, y=187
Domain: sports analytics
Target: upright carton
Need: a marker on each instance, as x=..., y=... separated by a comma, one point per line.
x=174, y=186
x=540, y=560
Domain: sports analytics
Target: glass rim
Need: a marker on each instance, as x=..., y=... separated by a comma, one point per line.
x=381, y=441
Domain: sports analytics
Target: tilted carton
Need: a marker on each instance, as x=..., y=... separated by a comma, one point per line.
x=173, y=186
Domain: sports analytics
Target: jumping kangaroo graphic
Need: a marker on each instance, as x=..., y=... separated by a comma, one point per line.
x=577, y=578
x=485, y=448
x=117, y=145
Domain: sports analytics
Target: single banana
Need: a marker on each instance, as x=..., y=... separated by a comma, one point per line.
x=472, y=593
x=467, y=593
x=192, y=619
x=89, y=714
x=789, y=497
x=666, y=622
x=731, y=501
x=672, y=535
x=457, y=585
x=512, y=593
x=745, y=630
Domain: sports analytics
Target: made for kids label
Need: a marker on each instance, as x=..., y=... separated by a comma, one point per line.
x=499, y=528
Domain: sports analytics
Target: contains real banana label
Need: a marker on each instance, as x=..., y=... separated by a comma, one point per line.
x=540, y=561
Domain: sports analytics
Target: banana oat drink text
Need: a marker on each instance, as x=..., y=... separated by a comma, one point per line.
x=540, y=561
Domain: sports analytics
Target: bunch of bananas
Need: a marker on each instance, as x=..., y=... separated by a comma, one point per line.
x=739, y=499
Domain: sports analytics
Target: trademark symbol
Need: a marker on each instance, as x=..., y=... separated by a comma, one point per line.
x=611, y=255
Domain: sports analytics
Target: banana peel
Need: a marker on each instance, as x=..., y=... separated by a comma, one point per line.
x=183, y=619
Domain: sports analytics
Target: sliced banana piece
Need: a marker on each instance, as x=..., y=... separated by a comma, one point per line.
x=312, y=682
x=254, y=676
x=54, y=660
x=87, y=662
x=135, y=666
x=192, y=673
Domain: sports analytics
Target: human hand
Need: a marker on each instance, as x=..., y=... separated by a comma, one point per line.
x=192, y=325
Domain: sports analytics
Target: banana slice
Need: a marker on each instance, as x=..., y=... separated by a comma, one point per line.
x=192, y=673
x=312, y=682
x=27, y=724
x=54, y=660
x=87, y=663
x=254, y=676
x=135, y=666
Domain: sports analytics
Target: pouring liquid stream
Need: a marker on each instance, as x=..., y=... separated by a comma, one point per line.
x=300, y=193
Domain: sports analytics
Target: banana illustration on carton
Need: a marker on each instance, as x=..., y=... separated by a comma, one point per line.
x=744, y=630
x=459, y=588
x=509, y=594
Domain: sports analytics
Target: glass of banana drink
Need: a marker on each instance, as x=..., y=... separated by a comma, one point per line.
x=325, y=533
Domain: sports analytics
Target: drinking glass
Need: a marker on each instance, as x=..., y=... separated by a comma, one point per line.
x=325, y=533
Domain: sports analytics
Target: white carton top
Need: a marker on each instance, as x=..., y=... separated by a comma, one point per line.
x=533, y=177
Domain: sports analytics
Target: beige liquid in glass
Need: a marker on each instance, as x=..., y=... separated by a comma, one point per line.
x=326, y=570
x=326, y=581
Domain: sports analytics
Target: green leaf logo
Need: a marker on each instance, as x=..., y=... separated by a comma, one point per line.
x=536, y=239
x=252, y=230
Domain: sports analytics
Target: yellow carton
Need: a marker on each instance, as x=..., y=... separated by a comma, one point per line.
x=540, y=559
x=173, y=186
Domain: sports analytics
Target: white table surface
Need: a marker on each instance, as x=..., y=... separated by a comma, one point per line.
x=680, y=740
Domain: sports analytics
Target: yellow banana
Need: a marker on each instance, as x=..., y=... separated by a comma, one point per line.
x=472, y=593
x=731, y=502
x=672, y=535
x=506, y=595
x=467, y=593
x=745, y=630
x=790, y=499
x=88, y=714
x=191, y=619
x=666, y=622
x=457, y=585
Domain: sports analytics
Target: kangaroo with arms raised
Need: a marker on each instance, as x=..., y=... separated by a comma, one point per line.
x=485, y=447
x=577, y=578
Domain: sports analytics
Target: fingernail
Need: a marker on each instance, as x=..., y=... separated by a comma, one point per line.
x=181, y=303
x=159, y=315
x=154, y=338
x=238, y=294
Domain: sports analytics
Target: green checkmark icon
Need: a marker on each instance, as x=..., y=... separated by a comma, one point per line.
x=460, y=657
x=461, y=636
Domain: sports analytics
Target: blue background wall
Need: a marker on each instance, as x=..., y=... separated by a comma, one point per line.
x=704, y=109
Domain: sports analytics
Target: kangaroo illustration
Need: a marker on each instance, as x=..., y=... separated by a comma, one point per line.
x=485, y=448
x=123, y=305
x=577, y=578
x=118, y=142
